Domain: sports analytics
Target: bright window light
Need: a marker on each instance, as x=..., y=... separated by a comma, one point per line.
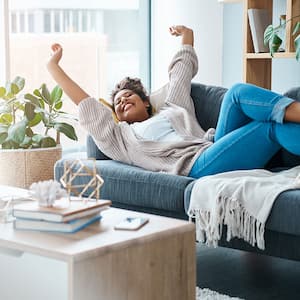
x=103, y=42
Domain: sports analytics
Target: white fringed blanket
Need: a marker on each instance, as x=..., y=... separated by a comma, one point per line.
x=242, y=200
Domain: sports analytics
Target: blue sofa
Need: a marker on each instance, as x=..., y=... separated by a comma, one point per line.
x=137, y=189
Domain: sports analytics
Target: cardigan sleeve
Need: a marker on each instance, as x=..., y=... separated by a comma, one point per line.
x=182, y=69
x=97, y=120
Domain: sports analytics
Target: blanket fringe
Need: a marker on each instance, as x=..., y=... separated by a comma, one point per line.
x=229, y=212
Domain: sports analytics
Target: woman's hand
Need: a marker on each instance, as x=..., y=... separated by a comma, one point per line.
x=186, y=33
x=56, y=56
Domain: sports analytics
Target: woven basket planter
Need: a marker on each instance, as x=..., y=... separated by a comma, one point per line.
x=22, y=167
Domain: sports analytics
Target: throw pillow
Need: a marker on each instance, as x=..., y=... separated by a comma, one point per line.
x=158, y=97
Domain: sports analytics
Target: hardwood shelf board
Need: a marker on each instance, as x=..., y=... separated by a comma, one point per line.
x=267, y=55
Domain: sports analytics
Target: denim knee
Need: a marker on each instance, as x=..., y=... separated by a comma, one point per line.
x=236, y=90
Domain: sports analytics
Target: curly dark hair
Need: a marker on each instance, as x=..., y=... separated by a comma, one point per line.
x=135, y=85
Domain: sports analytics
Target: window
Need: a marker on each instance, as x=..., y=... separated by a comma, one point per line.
x=103, y=42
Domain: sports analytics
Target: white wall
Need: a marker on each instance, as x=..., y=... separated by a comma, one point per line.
x=205, y=17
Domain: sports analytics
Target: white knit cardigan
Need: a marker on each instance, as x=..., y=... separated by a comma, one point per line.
x=118, y=141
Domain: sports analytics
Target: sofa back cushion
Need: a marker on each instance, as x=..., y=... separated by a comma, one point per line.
x=207, y=100
x=93, y=151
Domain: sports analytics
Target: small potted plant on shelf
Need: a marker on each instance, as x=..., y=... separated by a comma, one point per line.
x=272, y=38
x=27, y=150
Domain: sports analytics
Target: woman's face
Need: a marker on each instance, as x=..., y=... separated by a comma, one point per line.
x=130, y=107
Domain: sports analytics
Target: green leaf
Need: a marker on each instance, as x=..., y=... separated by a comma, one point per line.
x=269, y=32
x=37, y=138
x=9, y=95
x=12, y=89
x=274, y=44
x=297, y=47
x=34, y=100
x=66, y=115
x=36, y=120
x=16, y=132
x=56, y=94
x=296, y=28
x=10, y=145
x=67, y=129
x=46, y=94
x=37, y=93
x=29, y=132
x=29, y=111
x=19, y=82
x=3, y=128
x=58, y=105
x=3, y=136
x=6, y=119
x=2, y=91
x=47, y=142
x=26, y=143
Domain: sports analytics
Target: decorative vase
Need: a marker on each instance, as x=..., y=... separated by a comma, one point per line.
x=22, y=167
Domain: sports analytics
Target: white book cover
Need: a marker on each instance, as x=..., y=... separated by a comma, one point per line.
x=259, y=19
x=63, y=210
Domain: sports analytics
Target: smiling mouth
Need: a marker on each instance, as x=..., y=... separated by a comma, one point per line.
x=127, y=106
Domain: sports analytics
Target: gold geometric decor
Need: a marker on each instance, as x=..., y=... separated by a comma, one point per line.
x=77, y=168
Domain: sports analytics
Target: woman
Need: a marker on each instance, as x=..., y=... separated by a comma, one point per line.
x=253, y=125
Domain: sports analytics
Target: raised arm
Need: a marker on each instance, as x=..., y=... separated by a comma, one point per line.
x=71, y=88
x=182, y=69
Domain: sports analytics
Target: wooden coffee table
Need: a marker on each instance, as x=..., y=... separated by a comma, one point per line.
x=155, y=262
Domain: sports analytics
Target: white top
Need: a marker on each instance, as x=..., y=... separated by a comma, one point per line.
x=156, y=128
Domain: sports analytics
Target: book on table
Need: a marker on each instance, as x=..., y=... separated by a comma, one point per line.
x=63, y=227
x=63, y=210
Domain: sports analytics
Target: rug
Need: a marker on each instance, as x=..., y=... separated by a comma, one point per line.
x=207, y=294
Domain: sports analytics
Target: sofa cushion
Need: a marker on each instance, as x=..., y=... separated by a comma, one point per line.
x=293, y=93
x=207, y=101
x=93, y=151
x=133, y=186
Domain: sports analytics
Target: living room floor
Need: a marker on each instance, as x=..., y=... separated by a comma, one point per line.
x=247, y=275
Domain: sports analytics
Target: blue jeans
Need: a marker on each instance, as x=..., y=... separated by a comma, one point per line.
x=250, y=130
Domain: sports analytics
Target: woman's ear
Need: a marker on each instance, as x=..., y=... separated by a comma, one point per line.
x=147, y=103
x=148, y=107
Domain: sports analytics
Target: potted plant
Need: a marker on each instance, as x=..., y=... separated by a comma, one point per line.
x=27, y=150
x=272, y=38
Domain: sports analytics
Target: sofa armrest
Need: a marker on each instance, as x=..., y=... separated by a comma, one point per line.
x=93, y=151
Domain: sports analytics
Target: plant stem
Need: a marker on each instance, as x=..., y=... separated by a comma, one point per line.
x=284, y=23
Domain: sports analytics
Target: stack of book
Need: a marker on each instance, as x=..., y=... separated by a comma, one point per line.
x=65, y=216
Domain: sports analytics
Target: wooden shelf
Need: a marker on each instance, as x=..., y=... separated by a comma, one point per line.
x=258, y=66
x=268, y=55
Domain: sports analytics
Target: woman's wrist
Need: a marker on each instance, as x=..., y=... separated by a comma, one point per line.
x=188, y=37
x=51, y=65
